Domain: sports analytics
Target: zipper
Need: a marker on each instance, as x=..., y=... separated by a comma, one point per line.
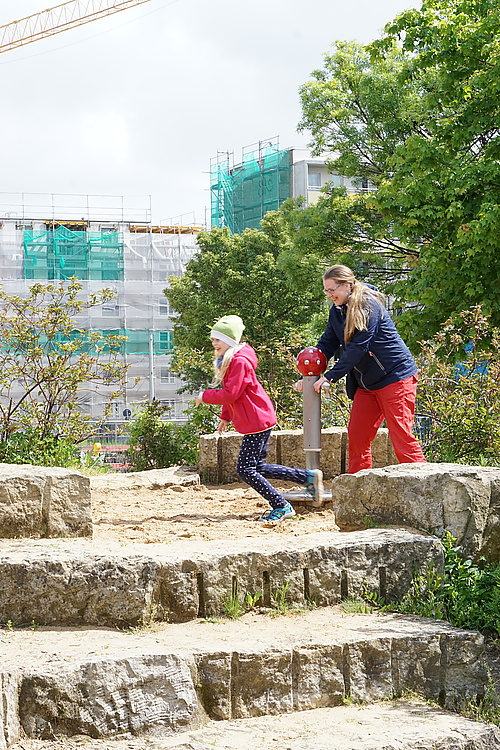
x=379, y=363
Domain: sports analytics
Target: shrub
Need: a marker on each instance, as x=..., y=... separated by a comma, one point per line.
x=156, y=443
x=458, y=399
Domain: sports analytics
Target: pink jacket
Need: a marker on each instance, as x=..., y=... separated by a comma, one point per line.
x=244, y=401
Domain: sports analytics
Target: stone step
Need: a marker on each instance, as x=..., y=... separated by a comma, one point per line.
x=81, y=582
x=380, y=726
x=175, y=677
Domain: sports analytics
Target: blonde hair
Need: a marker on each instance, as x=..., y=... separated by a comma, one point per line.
x=220, y=370
x=361, y=299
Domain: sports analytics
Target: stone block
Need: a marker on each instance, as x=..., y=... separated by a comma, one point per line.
x=209, y=460
x=74, y=583
x=333, y=451
x=107, y=697
x=36, y=501
x=435, y=498
x=291, y=450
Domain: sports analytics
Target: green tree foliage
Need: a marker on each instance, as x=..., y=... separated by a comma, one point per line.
x=416, y=112
x=56, y=363
x=239, y=274
x=459, y=391
x=445, y=180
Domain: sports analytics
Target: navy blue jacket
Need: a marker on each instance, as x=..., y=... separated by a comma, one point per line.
x=377, y=357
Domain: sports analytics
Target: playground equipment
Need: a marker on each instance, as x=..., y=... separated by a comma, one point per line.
x=311, y=363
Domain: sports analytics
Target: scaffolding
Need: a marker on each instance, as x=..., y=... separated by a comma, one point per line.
x=62, y=253
x=134, y=260
x=242, y=194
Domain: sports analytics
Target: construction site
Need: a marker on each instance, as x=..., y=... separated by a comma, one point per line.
x=106, y=242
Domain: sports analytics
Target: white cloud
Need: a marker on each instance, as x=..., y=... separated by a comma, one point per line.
x=139, y=102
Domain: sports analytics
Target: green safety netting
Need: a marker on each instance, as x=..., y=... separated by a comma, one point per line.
x=62, y=253
x=137, y=341
x=242, y=195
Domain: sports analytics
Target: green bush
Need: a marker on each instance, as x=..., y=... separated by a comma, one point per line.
x=30, y=447
x=467, y=594
x=458, y=396
x=156, y=443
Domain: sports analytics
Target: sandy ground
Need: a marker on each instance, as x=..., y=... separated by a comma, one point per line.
x=145, y=515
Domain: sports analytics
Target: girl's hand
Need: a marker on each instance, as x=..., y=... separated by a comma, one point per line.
x=298, y=386
x=223, y=424
x=199, y=399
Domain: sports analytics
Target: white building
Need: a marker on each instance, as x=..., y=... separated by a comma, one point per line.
x=105, y=247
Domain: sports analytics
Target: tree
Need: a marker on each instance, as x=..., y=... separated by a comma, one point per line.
x=417, y=113
x=54, y=361
x=239, y=274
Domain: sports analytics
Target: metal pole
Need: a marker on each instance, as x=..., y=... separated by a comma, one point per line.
x=312, y=421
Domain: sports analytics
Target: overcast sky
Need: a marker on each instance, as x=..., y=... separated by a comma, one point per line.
x=137, y=103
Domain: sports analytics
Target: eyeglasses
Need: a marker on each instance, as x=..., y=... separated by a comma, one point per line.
x=331, y=291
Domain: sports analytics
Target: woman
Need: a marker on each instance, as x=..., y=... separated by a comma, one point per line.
x=382, y=374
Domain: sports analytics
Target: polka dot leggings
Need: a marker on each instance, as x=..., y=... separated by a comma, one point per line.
x=252, y=469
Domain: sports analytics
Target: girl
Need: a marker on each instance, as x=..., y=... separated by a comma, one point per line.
x=246, y=404
x=382, y=374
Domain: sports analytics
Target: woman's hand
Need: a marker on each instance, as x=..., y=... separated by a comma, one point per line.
x=319, y=384
x=298, y=386
x=223, y=425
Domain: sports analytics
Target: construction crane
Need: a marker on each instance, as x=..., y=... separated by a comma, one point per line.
x=57, y=19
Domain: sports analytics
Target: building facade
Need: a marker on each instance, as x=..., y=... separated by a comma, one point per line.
x=241, y=194
x=132, y=258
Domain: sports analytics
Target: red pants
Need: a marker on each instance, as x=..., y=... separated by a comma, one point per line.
x=396, y=404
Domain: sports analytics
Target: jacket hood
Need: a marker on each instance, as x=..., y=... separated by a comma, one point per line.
x=248, y=353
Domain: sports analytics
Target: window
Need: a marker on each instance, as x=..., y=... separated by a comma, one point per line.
x=163, y=307
x=164, y=342
x=167, y=377
x=314, y=180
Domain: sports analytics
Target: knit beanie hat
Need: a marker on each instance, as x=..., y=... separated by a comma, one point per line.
x=228, y=329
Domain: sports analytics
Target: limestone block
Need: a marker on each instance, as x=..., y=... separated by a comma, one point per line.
x=261, y=683
x=56, y=585
x=317, y=687
x=323, y=568
x=208, y=459
x=76, y=583
x=9, y=716
x=370, y=673
x=108, y=697
x=153, y=479
x=333, y=450
x=431, y=497
x=214, y=679
x=490, y=547
x=292, y=448
x=44, y=502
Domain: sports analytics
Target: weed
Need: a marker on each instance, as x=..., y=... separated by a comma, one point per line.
x=280, y=598
x=356, y=605
x=252, y=599
x=486, y=710
x=232, y=605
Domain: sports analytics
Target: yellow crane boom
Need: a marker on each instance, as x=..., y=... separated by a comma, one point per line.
x=57, y=19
